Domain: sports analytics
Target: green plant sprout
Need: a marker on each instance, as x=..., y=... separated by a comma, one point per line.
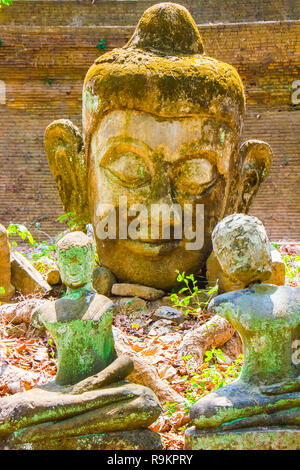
x=42, y=249
x=214, y=355
x=211, y=377
x=195, y=298
x=71, y=220
x=102, y=45
x=2, y=292
x=5, y=2
x=21, y=231
x=292, y=267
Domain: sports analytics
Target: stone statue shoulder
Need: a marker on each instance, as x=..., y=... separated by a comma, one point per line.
x=88, y=307
x=260, y=302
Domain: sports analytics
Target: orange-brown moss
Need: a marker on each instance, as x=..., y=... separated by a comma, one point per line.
x=167, y=28
x=163, y=70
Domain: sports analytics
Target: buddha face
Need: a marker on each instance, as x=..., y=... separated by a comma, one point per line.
x=180, y=163
x=76, y=266
x=179, y=155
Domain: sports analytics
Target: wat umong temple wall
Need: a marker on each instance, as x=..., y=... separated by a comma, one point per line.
x=47, y=47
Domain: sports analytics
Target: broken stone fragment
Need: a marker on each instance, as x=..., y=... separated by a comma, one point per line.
x=137, y=290
x=103, y=280
x=130, y=304
x=278, y=268
x=5, y=275
x=214, y=272
x=214, y=333
x=233, y=347
x=25, y=277
x=161, y=327
x=169, y=313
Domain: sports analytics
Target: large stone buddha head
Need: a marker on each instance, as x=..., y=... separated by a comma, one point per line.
x=162, y=125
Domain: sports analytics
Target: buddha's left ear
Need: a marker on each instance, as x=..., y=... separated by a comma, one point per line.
x=255, y=158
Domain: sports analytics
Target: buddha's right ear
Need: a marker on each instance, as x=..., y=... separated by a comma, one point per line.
x=255, y=161
x=65, y=153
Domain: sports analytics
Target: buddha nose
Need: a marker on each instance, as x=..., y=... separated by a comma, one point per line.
x=165, y=213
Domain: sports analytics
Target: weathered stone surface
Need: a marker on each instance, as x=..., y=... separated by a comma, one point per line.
x=90, y=395
x=103, y=280
x=165, y=301
x=50, y=412
x=233, y=348
x=113, y=373
x=80, y=322
x=214, y=333
x=25, y=277
x=287, y=438
x=161, y=327
x=5, y=273
x=278, y=268
x=157, y=108
x=242, y=248
x=81, y=330
x=49, y=270
x=141, y=439
x=267, y=393
x=214, y=272
x=169, y=313
x=130, y=304
x=136, y=290
x=67, y=165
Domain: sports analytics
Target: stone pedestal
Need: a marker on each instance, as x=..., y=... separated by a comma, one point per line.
x=141, y=439
x=271, y=438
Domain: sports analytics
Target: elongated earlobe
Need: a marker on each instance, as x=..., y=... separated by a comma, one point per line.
x=255, y=158
x=65, y=153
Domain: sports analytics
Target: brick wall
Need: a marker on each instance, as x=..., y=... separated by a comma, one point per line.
x=57, y=40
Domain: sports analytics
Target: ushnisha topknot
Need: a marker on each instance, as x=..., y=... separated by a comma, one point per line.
x=163, y=71
x=168, y=28
x=78, y=239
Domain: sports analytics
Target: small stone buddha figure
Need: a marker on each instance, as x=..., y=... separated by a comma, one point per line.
x=90, y=405
x=162, y=126
x=260, y=410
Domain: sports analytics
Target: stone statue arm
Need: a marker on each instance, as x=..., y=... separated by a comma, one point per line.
x=255, y=157
x=282, y=387
x=101, y=403
x=65, y=152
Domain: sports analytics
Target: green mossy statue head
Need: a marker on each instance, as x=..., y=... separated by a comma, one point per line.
x=76, y=255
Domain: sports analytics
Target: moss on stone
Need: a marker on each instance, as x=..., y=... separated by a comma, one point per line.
x=167, y=28
x=163, y=70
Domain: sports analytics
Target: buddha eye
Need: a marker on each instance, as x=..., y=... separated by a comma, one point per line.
x=127, y=169
x=195, y=176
